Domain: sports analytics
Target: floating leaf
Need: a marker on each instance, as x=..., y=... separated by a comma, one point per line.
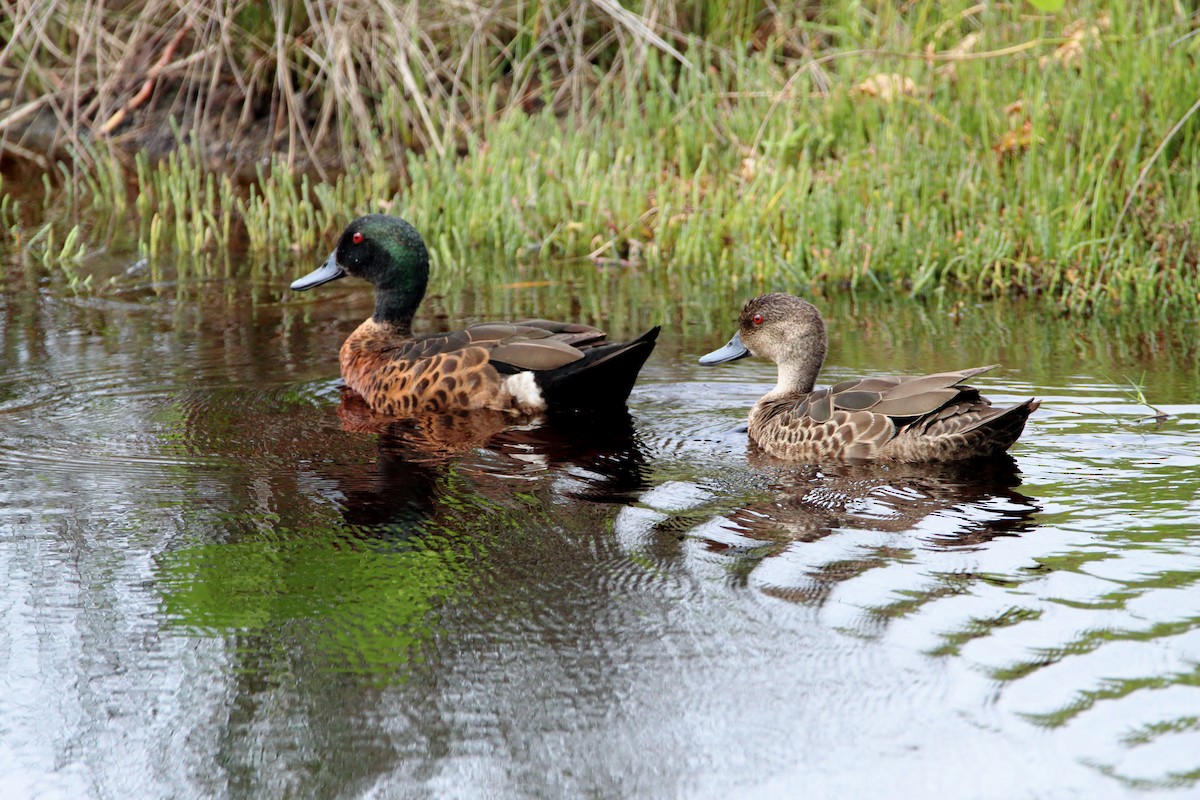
x=1048, y=5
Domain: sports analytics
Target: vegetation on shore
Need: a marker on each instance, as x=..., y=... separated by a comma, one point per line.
x=923, y=147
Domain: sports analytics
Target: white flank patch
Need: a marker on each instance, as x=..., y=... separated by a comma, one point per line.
x=525, y=392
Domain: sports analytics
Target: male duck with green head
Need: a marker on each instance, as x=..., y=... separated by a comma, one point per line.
x=523, y=368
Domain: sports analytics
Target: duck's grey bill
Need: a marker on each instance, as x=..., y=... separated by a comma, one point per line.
x=331, y=270
x=730, y=352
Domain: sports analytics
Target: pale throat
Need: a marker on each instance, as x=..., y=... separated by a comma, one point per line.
x=798, y=375
x=794, y=379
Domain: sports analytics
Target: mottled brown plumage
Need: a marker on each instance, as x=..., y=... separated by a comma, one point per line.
x=521, y=368
x=925, y=418
x=465, y=370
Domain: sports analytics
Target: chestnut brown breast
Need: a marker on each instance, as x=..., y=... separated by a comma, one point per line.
x=412, y=376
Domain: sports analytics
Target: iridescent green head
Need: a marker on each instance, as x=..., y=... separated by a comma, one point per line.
x=386, y=251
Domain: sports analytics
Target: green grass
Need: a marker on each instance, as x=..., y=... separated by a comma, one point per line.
x=1029, y=154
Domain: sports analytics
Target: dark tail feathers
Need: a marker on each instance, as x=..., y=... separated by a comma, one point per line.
x=601, y=381
x=999, y=432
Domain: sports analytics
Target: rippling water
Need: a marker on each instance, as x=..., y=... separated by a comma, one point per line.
x=212, y=585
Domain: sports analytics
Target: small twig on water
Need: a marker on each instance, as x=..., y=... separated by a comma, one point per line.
x=1138, y=394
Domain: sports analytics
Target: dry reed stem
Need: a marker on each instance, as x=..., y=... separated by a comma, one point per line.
x=1145, y=170
x=314, y=74
x=148, y=85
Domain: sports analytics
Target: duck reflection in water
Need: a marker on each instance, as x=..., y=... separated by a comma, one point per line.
x=830, y=524
x=975, y=500
x=601, y=456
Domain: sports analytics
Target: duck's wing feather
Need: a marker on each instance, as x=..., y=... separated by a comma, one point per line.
x=575, y=334
x=533, y=329
x=535, y=345
x=905, y=397
x=537, y=355
x=560, y=327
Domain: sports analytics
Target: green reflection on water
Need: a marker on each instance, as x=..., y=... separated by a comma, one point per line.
x=1114, y=689
x=365, y=606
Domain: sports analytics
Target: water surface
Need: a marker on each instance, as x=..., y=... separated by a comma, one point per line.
x=211, y=587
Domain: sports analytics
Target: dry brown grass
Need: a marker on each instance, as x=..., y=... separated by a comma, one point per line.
x=323, y=82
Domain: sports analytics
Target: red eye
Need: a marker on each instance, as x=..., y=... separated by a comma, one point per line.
x=757, y=319
x=357, y=238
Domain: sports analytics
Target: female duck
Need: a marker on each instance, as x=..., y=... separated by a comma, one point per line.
x=926, y=418
x=522, y=368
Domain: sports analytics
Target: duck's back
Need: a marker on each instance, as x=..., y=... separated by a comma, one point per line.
x=925, y=418
x=514, y=367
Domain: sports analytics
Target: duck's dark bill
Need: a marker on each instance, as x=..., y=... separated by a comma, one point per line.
x=730, y=352
x=329, y=271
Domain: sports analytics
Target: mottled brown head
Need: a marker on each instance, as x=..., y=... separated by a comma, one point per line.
x=783, y=328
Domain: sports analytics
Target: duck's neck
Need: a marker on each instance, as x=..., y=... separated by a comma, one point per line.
x=395, y=309
x=798, y=376
x=396, y=299
x=400, y=283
